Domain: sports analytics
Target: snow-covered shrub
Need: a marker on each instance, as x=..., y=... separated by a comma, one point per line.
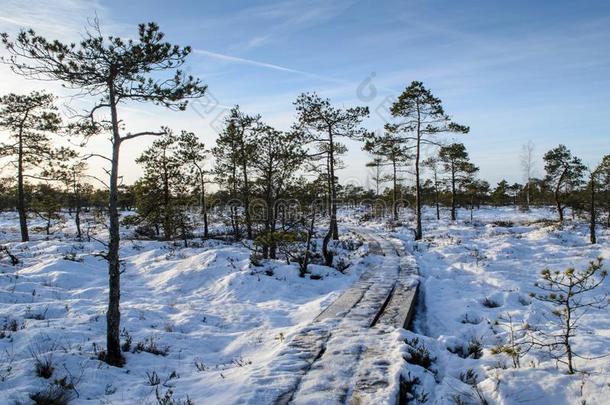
x=167, y=398
x=409, y=392
x=150, y=345
x=472, y=379
x=490, y=303
x=419, y=354
x=473, y=350
x=42, y=355
x=54, y=394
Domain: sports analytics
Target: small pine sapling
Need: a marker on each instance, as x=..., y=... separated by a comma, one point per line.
x=567, y=292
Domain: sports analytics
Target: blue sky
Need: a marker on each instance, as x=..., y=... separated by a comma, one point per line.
x=512, y=70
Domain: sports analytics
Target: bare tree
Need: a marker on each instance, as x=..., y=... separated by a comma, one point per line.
x=113, y=71
x=527, y=165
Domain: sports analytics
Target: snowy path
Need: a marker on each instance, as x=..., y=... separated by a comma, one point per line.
x=351, y=351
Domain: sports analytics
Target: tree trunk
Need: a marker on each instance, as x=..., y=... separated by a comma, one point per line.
x=453, y=213
x=21, y=208
x=436, y=198
x=328, y=255
x=334, y=229
x=418, y=230
x=394, y=192
x=204, y=208
x=113, y=316
x=557, y=196
x=167, y=220
x=592, y=212
x=273, y=247
x=471, y=208
x=568, y=331
x=246, y=193
x=305, y=262
x=78, y=209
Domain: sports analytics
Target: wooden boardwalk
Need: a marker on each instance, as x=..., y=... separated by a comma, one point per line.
x=343, y=356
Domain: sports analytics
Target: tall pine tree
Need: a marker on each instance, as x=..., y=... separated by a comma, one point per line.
x=457, y=164
x=114, y=71
x=419, y=117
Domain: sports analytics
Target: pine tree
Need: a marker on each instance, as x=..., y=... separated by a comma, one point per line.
x=46, y=204
x=192, y=153
x=29, y=119
x=376, y=165
x=395, y=154
x=476, y=190
x=279, y=155
x=500, y=193
x=569, y=291
x=163, y=175
x=115, y=71
x=70, y=169
x=420, y=116
x=323, y=124
x=563, y=171
x=234, y=153
x=456, y=162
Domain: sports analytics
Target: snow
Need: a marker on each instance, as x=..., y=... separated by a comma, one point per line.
x=463, y=264
x=212, y=308
x=207, y=305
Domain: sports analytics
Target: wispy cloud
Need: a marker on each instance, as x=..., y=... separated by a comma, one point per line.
x=272, y=66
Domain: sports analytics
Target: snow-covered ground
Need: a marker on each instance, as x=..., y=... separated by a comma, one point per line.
x=464, y=267
x=222, y=320
x=218, y=317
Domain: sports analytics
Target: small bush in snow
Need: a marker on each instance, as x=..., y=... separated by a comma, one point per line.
x=10, y=326
x=471, y=378
x=514, y=347
x=126, y=346
x=6, y=365
x=153, y=378
x=474, y=350
x=408, y=392
x=240, y=362
x=43, y=358
x=72, y=256
x=55, y=394
x=473, y=321
x=419, y=354
x=167, y=398
x=342, y=264
x=505, y=224
x=149, y=345
x=4, y=251
x=490, y=303
x=200, y=365
x=39, y=316
x=256, y=259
